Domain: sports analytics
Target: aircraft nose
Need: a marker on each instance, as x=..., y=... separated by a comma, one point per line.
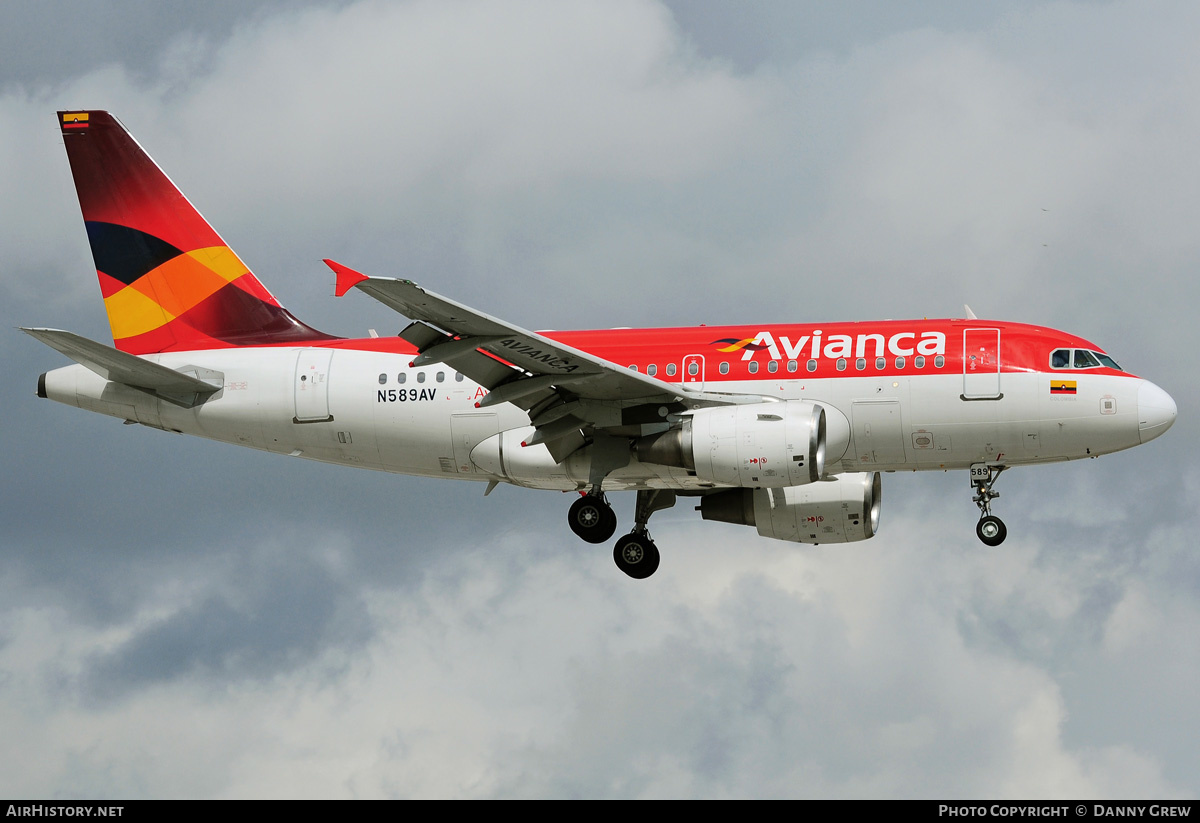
x=1156, y=411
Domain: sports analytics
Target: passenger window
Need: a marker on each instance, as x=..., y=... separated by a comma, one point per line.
x=1060, y=359
x=793, y=365
x=441, y=376
x=652, y=370
x=939, y=361
x=772, y=366
x=383, y=379
x=754, y=367
x=919, y=361
x=841, y=364
x=899, y=362
x=420, y=377
x=458, y=378
x=812, y=365
x=724, y=368
x=693, y=368
x=670, y=370
x=633, y=368
x=880, y=363
x=860, y=363
x=401, y=377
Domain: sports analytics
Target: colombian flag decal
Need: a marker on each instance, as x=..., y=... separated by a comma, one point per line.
x=75, y=120
x=1062, y=387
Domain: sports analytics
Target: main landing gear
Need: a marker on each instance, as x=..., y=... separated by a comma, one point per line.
x=991, y=529
x=593, y=519
x=636, y=555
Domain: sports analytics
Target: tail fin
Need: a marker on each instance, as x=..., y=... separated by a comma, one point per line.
x=169, y=281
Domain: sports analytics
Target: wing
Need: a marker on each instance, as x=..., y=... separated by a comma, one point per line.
x=567, y=392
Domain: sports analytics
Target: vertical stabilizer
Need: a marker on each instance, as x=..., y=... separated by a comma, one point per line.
x=169, y=281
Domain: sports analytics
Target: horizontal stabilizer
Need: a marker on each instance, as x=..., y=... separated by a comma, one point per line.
x=121, y=367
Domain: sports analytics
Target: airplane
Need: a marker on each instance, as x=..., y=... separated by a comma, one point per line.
x=781, y=427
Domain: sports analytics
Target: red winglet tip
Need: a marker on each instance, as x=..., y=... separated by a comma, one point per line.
x=347, y=278
x=523, y=444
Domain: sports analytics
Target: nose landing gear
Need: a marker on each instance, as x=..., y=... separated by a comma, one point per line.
x=990, y=529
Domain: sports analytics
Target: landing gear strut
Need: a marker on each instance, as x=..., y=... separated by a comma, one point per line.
x=635, y=553
x=990, y=529
x=592, y=518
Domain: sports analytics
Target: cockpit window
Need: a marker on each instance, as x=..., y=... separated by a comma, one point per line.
x=1108, y=361
x=1081, y=359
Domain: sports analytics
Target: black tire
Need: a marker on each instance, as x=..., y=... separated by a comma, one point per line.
x=610, y=523
x=592, y=519
x=636, y=555
x=991, y=530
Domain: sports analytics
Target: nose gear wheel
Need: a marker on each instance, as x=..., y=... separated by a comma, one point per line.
x=990, y=529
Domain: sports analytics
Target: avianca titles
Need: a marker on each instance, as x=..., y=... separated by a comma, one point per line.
x=784, y=428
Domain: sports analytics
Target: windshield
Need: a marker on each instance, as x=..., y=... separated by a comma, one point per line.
x=1081, y=359
x=1108, y=361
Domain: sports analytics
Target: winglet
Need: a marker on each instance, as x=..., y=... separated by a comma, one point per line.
x=347, y=278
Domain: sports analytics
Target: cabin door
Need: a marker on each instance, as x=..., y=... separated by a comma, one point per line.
x=981, y=364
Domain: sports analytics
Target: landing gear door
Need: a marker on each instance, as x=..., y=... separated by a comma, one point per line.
x=981, y=364
x=312, y=386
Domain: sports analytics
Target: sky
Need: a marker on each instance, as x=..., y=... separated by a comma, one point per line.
x=181, y=618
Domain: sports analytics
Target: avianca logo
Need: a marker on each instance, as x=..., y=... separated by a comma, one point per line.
x=733, y=344
x=902, y=344
x=549, y=359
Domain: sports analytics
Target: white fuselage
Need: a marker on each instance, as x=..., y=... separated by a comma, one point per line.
x=372, y=410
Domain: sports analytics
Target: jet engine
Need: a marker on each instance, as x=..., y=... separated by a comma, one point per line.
x=842, y=509
x=759, y=445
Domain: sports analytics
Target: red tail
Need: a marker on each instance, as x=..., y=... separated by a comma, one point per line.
x=169, y=281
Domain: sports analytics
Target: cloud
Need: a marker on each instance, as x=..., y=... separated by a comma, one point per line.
x=263, y=610
x=763, y=671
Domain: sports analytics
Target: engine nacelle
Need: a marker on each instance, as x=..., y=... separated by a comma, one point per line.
x=759, y=445
x=843, y=509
